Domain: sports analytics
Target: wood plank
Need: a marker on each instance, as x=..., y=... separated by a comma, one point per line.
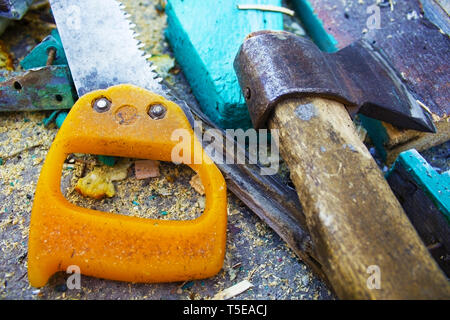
x=205, y=38
x=391, y=141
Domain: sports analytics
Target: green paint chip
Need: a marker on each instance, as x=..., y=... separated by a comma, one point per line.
x=108, y=160
x=188, y=285
x=163, y=213
x=50, y=119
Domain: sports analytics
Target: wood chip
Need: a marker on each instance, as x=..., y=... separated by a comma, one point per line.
x=233, y=290
x=197, y=184
x=263, y=7
x=98, y=183
x=146, y=169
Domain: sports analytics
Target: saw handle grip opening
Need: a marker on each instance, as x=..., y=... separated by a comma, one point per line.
x=114, y=246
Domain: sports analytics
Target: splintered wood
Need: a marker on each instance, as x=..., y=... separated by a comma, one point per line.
x=197, y=184
x=233, y=290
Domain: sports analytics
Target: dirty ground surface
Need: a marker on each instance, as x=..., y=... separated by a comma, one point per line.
x=254, y=251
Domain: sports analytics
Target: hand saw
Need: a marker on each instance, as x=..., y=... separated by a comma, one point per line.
x=122, y=111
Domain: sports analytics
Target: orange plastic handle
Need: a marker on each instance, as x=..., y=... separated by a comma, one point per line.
x=114, y=246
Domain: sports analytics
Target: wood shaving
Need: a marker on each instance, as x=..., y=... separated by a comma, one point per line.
x=197, y=184
x=233, y=291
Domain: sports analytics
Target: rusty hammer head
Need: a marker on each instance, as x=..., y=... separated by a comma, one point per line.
x=273, y=65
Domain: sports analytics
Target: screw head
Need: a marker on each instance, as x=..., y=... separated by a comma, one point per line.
x=157, y=111
x=101, y=104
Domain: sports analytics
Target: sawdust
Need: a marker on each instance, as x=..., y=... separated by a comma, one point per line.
x=167, y=197
x=149, y=24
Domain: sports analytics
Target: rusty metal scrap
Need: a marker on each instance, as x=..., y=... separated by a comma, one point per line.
x=46, y=88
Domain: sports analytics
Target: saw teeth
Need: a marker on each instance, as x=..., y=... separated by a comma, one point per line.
x=139, y=44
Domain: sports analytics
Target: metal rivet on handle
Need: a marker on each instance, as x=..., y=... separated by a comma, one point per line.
x=101, y=104
x=157, y=111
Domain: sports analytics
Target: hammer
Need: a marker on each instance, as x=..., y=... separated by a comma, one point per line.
x=366, y=244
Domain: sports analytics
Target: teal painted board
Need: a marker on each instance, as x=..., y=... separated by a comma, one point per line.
x=205, y=37
x=435, y=185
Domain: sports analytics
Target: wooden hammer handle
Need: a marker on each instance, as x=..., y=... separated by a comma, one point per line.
x=357, y=225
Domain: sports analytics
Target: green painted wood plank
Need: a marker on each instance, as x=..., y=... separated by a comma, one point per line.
x=435, y=185
x=205, y=37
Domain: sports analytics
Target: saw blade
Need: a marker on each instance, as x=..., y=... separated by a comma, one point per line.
x=102, y=49
x=101, y=46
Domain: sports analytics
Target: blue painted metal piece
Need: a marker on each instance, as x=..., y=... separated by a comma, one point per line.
x=38, y=56
x=435, y=185
x=205, y=37
x=38, y=93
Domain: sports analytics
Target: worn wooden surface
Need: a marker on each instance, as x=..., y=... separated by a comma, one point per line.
x=205, y=40
x=424, y=67
x=354, y=218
